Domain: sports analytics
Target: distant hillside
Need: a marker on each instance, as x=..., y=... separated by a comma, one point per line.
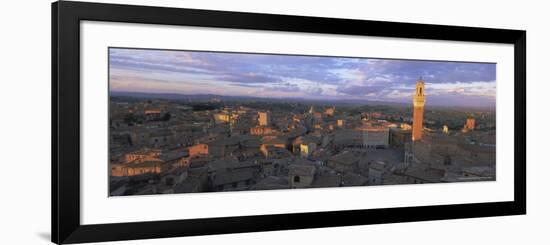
x=174, y=96
x=209, y=97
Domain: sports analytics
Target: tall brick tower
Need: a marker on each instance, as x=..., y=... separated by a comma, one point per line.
x=418, y=110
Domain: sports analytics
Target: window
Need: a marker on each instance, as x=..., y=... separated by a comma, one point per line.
x=296, y=179
x=447, y=160
x=169, y=181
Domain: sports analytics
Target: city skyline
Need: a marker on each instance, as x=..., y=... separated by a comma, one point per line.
x=176, y=144
x=304, y=77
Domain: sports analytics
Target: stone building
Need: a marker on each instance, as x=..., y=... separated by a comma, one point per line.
x=264, y=118
x=271, y=183
x=399, y=137
x=418, y=174
x=376, y=137
x=136, y=168
x=418, y=110
x=344, y=162
x=161, y=137
x=149, y=161
x=306, y=145
x=329, y=112
x=141, y=155
x=443, y=151
x=233, y=180
x=470, y=124
x=300, y=175
x=198, y=149
x=376, y=173
x=262, y=130
x=353, y=179
x=223, y=146
x=222, y=118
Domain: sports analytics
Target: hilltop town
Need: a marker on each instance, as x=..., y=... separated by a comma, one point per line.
x=211, y=143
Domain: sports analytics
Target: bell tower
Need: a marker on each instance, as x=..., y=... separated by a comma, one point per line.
x=418, y=110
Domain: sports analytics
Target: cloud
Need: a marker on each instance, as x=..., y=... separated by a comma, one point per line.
x=433, y=71
x=358, y=90
x=286, y=87
x=314, y=90
x=249, y=77
x=399, y=94
x=298, y=76
x=478, y=88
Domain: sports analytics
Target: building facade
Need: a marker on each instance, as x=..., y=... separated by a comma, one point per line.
x=470, y=124
x=418, y=110
x=264, y=118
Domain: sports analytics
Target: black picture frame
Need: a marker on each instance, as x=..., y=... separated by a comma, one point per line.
x=66, y=18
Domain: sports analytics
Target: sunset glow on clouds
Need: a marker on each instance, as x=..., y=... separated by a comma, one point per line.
x=308, y=77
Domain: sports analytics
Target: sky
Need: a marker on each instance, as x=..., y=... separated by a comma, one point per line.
x=307, y=77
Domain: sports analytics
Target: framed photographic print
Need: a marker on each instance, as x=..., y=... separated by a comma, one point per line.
x=177, y=122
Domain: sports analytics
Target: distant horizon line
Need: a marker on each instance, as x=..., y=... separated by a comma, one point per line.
x=293, y=98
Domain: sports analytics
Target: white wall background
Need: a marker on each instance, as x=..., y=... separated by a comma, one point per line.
x=25, y=121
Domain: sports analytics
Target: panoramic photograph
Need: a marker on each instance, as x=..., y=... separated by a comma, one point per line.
x=208, y=121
